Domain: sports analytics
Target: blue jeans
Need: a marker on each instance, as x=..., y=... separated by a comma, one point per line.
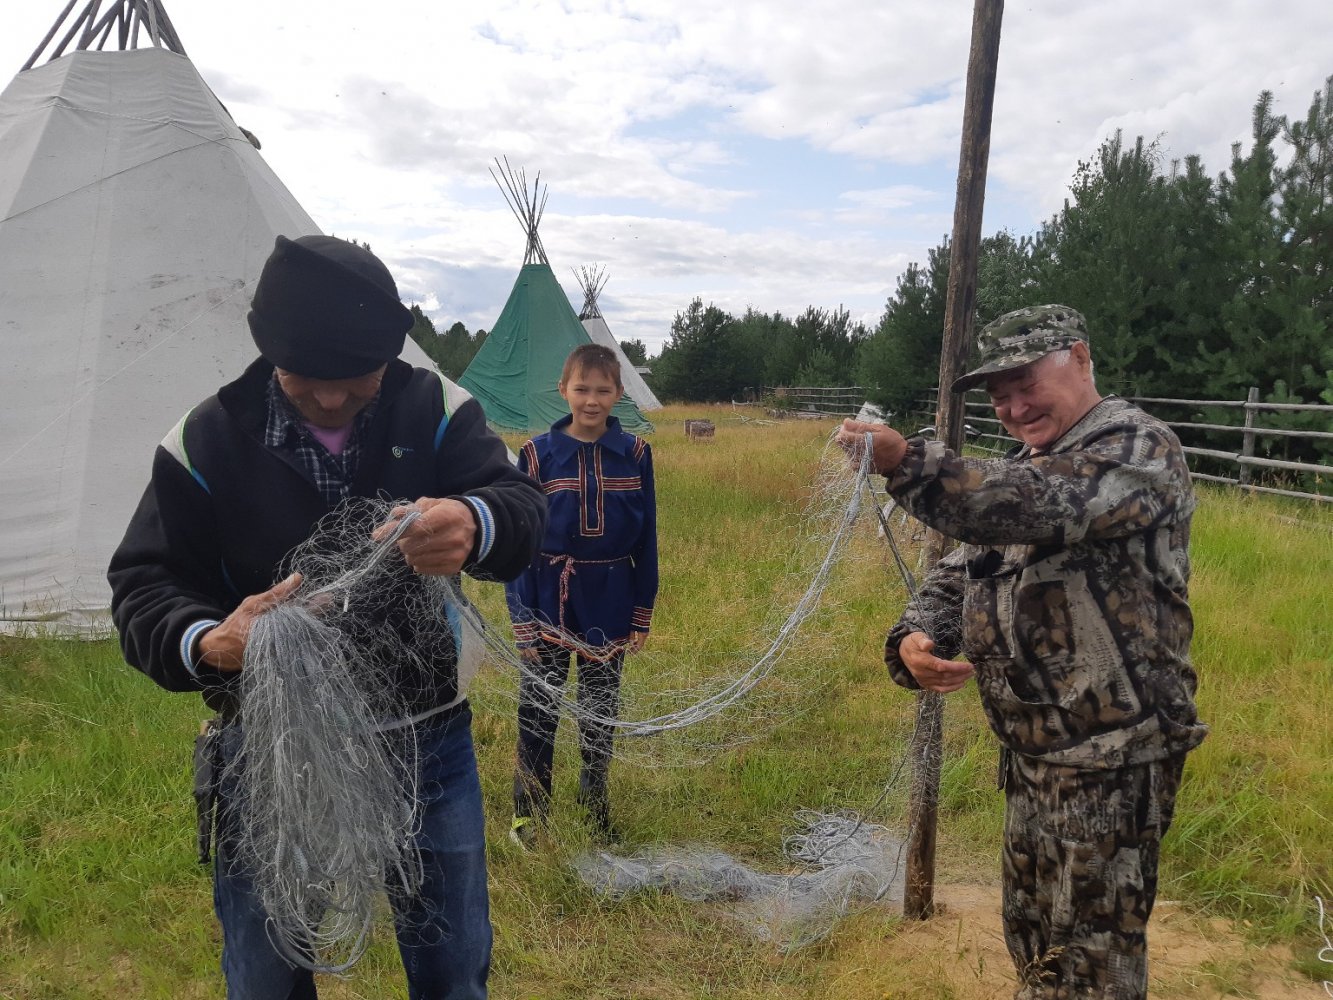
x=444, y=931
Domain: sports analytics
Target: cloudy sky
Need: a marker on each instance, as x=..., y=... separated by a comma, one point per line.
x=777, y=154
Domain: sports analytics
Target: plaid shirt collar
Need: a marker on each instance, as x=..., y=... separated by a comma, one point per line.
x=285, y=430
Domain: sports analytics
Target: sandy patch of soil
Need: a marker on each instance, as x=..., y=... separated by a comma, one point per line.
x=961, y=954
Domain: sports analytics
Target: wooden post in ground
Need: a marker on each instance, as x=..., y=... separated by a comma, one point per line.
x=960, y=305
x=1247, y=447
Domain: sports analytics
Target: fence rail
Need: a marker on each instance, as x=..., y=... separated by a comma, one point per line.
x=988, y=435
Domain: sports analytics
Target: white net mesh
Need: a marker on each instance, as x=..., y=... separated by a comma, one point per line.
x=328, y=760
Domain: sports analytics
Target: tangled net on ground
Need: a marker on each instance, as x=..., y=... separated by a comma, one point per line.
x=839, y=860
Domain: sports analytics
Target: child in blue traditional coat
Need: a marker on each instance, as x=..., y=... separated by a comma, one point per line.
x=590, y=591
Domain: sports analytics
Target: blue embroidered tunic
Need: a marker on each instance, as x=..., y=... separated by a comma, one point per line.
x=595, y=578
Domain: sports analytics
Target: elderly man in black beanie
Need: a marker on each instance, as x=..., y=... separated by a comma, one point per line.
x=326, y=414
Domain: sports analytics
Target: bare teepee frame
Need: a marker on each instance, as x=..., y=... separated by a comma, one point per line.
x=94, y=27
x=527, y=208
x=592, y=279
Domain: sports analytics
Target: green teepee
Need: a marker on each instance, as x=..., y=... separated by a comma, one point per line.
x=514, y=375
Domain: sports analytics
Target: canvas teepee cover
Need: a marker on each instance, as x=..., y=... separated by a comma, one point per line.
x=592, y=280
x=514, y=375
x=135, y=217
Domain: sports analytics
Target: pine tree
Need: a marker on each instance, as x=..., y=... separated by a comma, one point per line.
x=423, y=332
x=901, y=359
x=699, y=361
x=1250, y=251
x=1103, y=254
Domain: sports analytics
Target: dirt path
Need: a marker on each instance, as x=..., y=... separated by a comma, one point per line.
x=961, y=954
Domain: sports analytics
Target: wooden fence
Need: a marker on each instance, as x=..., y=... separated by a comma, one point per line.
x=989, y=436
x=829, y=401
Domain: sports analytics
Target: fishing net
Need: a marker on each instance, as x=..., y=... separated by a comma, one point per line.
x=836, y=862
x=328, y=762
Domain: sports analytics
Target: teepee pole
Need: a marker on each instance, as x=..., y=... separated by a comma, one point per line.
x=527, y=209
x=168, y=30
x=153, y=31
x=124, y=17
x=592, y=279
x=50, y=34
x=103, y=28
x=89, y=12
x=90, y=23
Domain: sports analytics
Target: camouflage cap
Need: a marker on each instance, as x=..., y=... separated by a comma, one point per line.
x=1021, y=337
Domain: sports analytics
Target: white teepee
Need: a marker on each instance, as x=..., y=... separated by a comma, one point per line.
x=592, y=280
x=135, y=217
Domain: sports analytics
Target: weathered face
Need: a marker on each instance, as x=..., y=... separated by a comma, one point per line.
x=590, y=394
x=330, y=403
x=1039, y=402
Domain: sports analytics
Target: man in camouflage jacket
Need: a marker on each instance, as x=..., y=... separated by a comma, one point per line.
x=1068, y=597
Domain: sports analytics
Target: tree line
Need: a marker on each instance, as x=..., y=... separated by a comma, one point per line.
x=453, y=350
x=1193, y=285
x=711, y=355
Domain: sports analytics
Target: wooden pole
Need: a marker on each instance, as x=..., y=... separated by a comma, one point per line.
x=960, y=305
x=50, y=34
x=1247, y=446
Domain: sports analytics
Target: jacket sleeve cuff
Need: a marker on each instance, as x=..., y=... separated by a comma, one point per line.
x=898, y=671
x=485, y=527
x=190, y=639
x=921, y=461
x=641, y=620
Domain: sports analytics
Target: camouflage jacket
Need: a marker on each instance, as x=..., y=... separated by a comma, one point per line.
x=1069, y=592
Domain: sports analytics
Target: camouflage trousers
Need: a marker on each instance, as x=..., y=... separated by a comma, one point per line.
x=1080, y=875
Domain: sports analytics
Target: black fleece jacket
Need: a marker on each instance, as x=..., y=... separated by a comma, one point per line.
x=222, y=511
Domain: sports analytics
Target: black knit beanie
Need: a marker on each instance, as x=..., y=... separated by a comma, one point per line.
x=326, y=308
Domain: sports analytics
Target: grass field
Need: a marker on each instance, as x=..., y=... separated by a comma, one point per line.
x=100, y=895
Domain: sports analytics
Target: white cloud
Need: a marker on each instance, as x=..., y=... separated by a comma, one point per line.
x=775, y=154
x=896, y=196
